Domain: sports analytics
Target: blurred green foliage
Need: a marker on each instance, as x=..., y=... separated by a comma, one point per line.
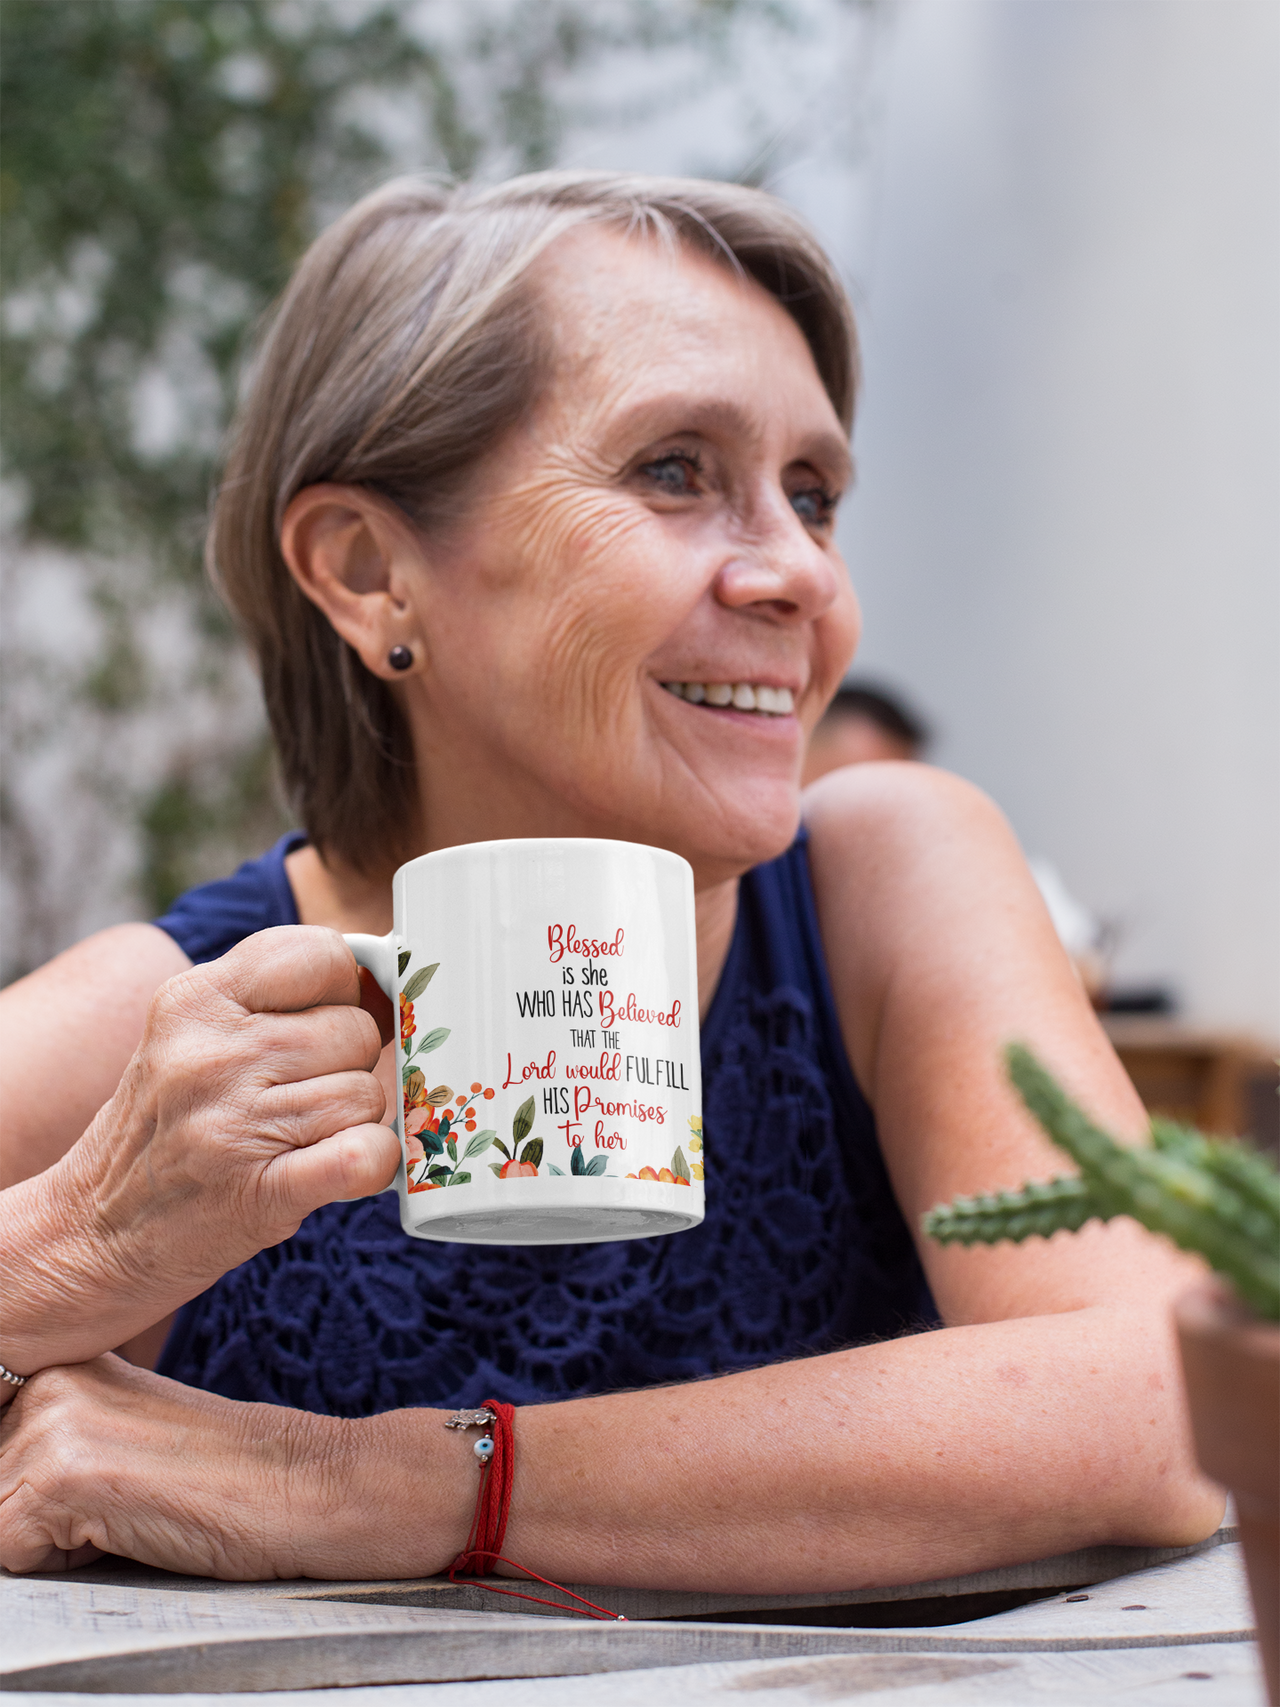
x=163, y=164
x=157, y=176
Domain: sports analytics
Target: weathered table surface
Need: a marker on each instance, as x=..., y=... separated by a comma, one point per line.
x=1176, y=1630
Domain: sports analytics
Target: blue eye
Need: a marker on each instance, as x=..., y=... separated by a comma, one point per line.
x=814, y=507
x=673, y=474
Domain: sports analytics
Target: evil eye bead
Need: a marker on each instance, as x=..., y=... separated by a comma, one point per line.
x=483, y=1449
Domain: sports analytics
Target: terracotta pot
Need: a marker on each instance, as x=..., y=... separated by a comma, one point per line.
x=1232, y=1366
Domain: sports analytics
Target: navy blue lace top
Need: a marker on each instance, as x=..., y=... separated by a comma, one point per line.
x=803, y=1248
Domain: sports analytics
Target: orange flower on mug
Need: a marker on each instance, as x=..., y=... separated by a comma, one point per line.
x=407, y=1024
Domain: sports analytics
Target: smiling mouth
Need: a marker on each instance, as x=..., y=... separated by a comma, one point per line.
x=737, y=696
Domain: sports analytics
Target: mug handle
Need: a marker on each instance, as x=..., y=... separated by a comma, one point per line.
x=377, y=954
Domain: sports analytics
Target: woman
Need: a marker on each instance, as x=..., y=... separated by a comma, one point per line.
x=524, y=477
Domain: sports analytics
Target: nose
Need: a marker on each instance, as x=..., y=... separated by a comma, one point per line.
x=778, y=568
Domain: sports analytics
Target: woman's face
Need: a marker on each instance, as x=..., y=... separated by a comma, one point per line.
x=666, y=515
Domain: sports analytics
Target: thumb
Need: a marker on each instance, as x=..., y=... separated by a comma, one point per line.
x=355, y=1162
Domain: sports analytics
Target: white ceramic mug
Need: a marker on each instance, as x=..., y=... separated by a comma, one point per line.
x=551, y=1087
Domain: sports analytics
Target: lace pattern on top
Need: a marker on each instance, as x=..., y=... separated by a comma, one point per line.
x=803, y=1248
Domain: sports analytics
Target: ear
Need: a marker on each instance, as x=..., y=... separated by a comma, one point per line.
x=354, y=555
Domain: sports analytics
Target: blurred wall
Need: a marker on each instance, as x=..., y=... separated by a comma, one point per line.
x=1066, y=527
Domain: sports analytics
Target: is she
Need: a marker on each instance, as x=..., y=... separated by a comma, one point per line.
x=529, y=482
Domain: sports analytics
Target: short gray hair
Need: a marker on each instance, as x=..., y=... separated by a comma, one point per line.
x=407, y=342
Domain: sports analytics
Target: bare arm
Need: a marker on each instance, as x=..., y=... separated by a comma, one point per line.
x=67, y=1032
x=98, y=991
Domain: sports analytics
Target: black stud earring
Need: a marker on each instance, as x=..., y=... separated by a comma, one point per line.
x=400, y=658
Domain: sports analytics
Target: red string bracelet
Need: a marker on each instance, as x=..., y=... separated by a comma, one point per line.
x=497, y=1454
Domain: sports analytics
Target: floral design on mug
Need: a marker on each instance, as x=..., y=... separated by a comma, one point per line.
x=580, y=1167
x=431, y=1127
x=408, y=1024
x=679, y=1173
x=437, y=1121
x=520, y=1163
x=431, y=1131
x=695, y=1144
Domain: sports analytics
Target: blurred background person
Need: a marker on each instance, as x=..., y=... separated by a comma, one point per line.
x=863, y=723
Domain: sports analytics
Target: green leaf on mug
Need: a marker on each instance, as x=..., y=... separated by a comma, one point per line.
x=575, y=1162
x=432, y=1143
x=439, y=1172
x=460, y=1179
x=596, y=1165
x=551, y=1169
x=452, y=1148
x=478, y=1145
x=679, y=1167
x=418, y=983
x=499, y=1145
x=432, y=1040
x=405, y=956
x=532, y=1152
x=522, y=1125
x=496, y=1168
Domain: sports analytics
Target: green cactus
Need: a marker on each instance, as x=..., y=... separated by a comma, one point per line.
x=1215, y=1197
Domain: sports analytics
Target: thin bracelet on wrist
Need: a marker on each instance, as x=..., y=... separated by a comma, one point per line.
x=11, y=1378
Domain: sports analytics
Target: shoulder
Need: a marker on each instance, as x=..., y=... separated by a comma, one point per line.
x=889, y=832
x=209, y=920
x=920, y=888
x=864, y=808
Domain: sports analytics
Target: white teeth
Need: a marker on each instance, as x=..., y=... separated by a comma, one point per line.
x=742, y=696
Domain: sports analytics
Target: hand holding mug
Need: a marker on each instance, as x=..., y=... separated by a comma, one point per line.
x=249, y=1103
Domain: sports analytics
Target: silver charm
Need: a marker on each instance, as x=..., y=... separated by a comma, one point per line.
x=471, y=1419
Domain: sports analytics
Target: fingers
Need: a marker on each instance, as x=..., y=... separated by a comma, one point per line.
x=350, y=1164
x=38, y=1536
x=288, y=1047
x=287, y=969
x=306, y=1111
x=286, y=999
x=191, y=1063
x=41, y=1457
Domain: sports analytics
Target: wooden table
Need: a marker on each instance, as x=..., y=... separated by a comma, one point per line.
x=1147, y=1628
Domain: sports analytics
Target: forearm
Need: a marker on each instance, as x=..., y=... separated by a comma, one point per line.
x=924, y=1457
x=921, y=1458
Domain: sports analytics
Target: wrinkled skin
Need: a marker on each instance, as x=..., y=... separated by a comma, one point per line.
x=106, y=1458
x=666, y=514
x=249, y=1102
